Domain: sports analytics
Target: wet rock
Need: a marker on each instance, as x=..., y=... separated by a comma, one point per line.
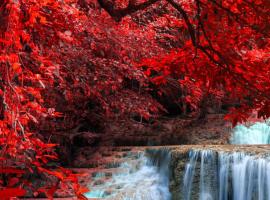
x=99, y=182
x=112, y=165
x=86, y=139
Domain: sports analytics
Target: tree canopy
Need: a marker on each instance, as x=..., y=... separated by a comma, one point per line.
x=64, y=62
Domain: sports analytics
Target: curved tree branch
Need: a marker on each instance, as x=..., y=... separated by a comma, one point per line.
x=208, y=50
x=118, y=14
x=190, y=27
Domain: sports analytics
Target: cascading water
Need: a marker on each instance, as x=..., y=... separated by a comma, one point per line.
x=144, y=179
x=258, y=133
x=213, y=175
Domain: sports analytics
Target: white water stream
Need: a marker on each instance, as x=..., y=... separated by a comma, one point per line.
x=226, y=176
x=258, y=133
x=144, y=180
x=208, y=175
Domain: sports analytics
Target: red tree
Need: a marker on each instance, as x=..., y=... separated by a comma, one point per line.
x=58, y=58
x=55, y=54
x=29, y=30
x=227, y=51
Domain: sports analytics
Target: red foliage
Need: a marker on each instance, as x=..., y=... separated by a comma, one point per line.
x=8, y=193
x=55, y=61
x=59, y=58
x=226, y=52
x=28, y=30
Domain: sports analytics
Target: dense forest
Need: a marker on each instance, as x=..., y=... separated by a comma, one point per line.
x=71, y=68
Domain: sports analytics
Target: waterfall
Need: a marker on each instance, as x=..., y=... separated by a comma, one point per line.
x=213, y=175
x=198, y=175
x=141, y=179
x=189, y=174
x=258, y=133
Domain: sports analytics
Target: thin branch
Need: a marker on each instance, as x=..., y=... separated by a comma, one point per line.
x=222, y=62
x=190, y=27
x=240, y=20
x=209, y=51
x=118, y=14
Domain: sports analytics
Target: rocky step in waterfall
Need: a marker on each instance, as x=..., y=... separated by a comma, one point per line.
x=213, y=175
x=212, y=172
x=189, y=172
x=138, y=177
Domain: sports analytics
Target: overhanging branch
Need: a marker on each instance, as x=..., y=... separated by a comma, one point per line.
x=118, y=14
x=208, y=50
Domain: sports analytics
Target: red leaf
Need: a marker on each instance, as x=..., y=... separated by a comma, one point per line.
x=12, y=192
x=13, y=181
x=11, y=171
x=159, y=80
